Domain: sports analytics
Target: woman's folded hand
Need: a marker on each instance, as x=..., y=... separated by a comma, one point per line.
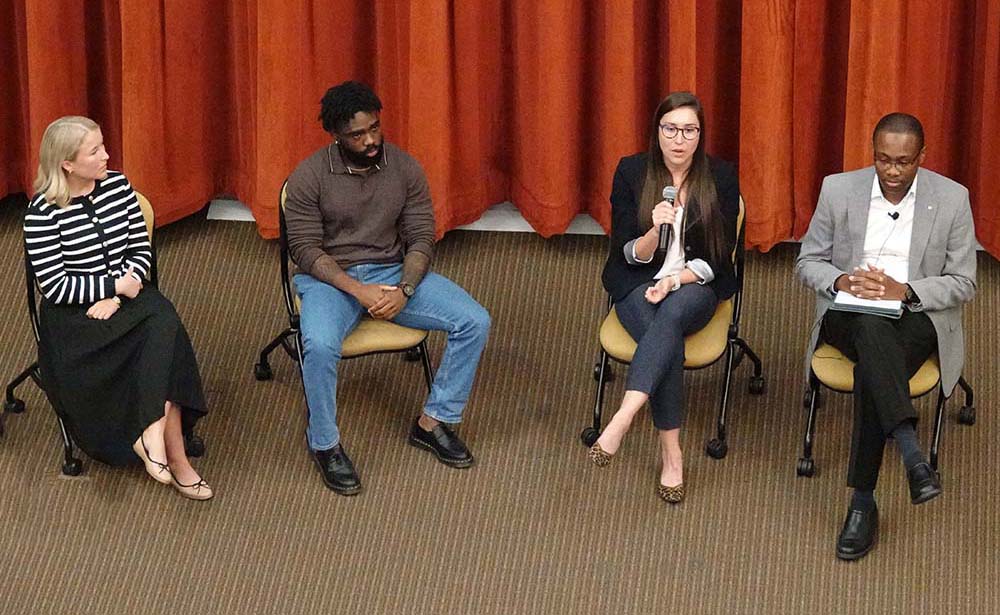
x=103, y=309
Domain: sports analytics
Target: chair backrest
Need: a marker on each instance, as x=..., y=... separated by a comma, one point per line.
x=286, y=280
x=739, y=228
x=739, y=258
x=149, y=217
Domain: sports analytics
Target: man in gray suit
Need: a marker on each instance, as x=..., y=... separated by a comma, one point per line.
x=891, y=231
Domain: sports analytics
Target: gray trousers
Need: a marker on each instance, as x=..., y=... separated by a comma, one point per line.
x=657, y=368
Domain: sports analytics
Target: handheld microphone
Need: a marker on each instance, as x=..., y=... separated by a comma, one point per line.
x=669, y=195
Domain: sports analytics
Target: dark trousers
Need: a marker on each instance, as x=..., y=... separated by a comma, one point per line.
x=886, y=353
x=657, y=367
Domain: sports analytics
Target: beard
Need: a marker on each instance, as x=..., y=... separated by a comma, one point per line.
x=361, y=160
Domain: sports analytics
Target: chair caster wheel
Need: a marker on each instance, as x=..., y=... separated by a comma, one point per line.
x=716, y=448
x=967, y=415
x=757, y=386
x=805, y=467
x=262, y=371
x=194, y=446
x=412, y=355
x=589, y=436
x=73, y=467
x=14, y=406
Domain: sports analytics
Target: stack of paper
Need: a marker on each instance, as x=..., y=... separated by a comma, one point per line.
x=846, y=302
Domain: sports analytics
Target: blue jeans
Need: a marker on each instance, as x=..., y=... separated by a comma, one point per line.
x=330, y=314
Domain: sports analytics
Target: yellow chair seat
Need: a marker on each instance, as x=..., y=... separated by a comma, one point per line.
x=380, y=336
x=837, y=371
x=700, y=349
x=376, y=336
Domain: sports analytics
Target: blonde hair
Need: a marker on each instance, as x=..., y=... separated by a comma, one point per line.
x=60, y=143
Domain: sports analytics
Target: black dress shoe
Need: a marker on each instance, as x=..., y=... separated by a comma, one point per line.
x=858, y=535
x=337, y=470
x=924, y=483
x=443, y=442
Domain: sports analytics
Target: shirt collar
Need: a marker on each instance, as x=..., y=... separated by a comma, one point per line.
x=877, y=189
x=336, y=160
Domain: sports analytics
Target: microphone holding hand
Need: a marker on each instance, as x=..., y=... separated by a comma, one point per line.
x=669, y=195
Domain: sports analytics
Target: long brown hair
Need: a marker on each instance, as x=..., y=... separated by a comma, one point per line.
x=699, y=182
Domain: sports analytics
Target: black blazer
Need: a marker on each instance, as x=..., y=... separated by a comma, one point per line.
x=621, y=278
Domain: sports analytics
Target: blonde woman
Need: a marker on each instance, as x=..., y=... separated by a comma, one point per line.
x=115, y=359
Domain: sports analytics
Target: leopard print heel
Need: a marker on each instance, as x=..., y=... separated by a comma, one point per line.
x=599, y=456
x=671, y=495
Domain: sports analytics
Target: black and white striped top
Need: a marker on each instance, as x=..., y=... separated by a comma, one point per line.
x=78, y=251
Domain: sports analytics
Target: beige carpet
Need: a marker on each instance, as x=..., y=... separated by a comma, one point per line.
x=533, y=527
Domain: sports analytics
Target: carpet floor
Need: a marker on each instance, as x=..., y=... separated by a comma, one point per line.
x=533, y=527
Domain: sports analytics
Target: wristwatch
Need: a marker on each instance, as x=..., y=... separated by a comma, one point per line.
x=910, y=297
x=117, y=299
x=407, y=289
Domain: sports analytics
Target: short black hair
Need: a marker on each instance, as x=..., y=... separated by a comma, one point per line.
x=341, y=102
x=900, y=123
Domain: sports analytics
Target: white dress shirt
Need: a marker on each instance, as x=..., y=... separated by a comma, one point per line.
x=887, y=238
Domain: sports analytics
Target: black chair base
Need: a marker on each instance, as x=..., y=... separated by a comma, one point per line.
x=806, y=465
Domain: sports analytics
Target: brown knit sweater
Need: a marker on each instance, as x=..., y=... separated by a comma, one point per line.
x=358, y=218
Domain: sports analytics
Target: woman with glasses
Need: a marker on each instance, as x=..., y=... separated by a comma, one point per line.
x=663, y=293
x=114, y=356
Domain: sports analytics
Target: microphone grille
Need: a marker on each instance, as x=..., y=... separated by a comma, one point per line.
x=670, y=193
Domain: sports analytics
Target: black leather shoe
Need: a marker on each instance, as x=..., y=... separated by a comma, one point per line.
x=443, y=442
x=858, y=535
x=924, y=483
x=337, y=470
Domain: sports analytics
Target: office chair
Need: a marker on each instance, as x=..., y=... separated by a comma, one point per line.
x=831, y=369
x=701, y=349
x=369, y=337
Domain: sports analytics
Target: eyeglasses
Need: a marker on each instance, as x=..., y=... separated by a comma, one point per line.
x=690, y=133
x=887, y=163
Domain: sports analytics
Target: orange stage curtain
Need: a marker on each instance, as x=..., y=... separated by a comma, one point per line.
x=532, y=101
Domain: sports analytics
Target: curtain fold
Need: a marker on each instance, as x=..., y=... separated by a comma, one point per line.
x=529, y=101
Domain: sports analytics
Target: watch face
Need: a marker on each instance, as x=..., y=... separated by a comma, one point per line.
x=407, y=289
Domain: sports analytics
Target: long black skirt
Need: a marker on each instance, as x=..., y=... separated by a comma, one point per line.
x=109, y=379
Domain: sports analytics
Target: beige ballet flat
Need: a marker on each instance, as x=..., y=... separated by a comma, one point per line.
x=159, y=471
x=196, y=491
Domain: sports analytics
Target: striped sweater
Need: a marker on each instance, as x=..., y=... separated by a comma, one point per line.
x=79, y=251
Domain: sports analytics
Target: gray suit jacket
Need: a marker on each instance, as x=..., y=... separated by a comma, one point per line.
x=942, y=253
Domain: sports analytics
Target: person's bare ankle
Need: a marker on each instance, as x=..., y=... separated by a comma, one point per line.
x=613, y=435
x=672, y=471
